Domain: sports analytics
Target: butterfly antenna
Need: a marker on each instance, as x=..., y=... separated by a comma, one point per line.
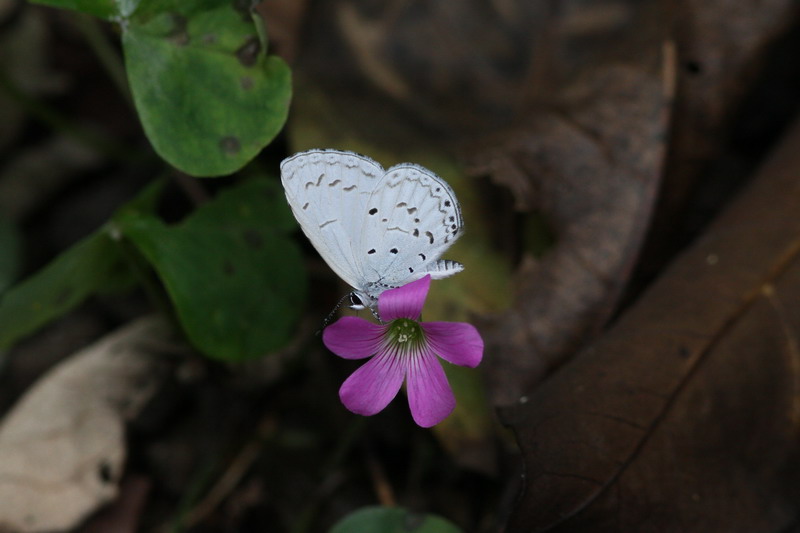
x=333, y=312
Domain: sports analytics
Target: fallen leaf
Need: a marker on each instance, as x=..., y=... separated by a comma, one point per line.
x=684, y=416
x=592, y=171
x=720, y=58
x=456, y=66
x=62, y=446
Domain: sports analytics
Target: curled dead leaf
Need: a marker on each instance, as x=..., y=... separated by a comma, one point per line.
x=62, y=446
x=592, y=171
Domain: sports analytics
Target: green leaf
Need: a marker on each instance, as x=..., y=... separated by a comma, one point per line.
x=208, y=96
x=93, y=265
x=392, y=520
x=9, y=253
x=96, y=264
x=235, y=277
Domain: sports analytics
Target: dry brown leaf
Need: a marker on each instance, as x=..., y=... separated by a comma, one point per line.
x=593, y=172
x=722, y=45
x=458, y=67
x=62, y=447
x=685, y=415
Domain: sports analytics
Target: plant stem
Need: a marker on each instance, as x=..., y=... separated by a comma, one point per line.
x=105, y=52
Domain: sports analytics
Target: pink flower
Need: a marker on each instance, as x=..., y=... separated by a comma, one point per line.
x=404, y=349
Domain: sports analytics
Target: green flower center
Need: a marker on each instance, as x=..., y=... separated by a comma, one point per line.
x=405, y=334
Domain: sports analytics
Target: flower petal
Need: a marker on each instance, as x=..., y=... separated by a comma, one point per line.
x=353, y=338
x=405, y=301
x=370, y=388
x=456, y=342
x=429, y=394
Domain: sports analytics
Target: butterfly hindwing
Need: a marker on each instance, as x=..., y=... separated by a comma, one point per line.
x=412, y=218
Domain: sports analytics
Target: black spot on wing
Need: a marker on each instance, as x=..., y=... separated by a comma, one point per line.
x=319, y=180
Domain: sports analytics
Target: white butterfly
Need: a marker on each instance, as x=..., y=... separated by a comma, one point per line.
x=377, y=229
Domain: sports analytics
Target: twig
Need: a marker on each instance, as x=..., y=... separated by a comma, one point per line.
x=231, y=478
x=380, y=483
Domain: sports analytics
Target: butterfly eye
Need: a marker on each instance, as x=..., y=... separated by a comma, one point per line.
x=356, y=302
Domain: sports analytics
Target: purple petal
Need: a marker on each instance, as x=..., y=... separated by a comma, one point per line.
x=353, y=338
x=370, y=388
x=405, y=301
x=456, y=342
x=429, y=394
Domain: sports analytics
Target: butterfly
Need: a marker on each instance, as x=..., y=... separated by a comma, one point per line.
x=377, y=229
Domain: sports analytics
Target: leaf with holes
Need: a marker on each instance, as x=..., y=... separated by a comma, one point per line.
x=208, y=96
x=233, y=274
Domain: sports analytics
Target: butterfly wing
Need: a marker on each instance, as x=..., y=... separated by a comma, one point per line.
x=328, y=191
x=412, y=218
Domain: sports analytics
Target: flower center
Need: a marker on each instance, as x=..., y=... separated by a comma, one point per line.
x=405, y=334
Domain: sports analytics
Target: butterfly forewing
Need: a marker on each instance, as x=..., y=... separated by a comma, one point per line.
x=412, y=217
x=326, y=190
